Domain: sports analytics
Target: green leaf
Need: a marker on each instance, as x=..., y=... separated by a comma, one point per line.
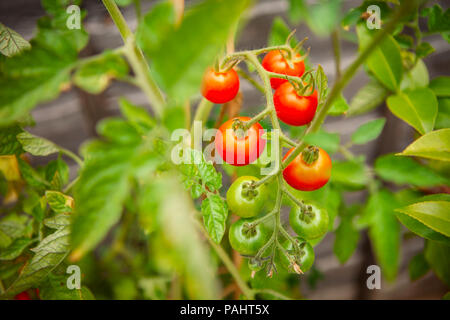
x=418, y=267
x=11, y=43
x=323, y=17
x=441, y=86
x=339, y=107
x=297, y=10
x=325, y=140
x=416, y=107
x=50, y=252
x=438, y=21
x=433, y=145
x=385, y=61
x=367, y=98
x=420, y=229
x=105, y=180
x=433, y=214
x=368, y=131
x=180, y=72
x=403, y=170
x=438, y=257
x=351, y=174
x=155, y=27
x=416, y=78
x=347, y=237
x=95, y=75
x=138, y=116
x=443, y=117
x=424, y=49
x=37, y=146
x=55, y=288
x=215, y=213
x=182, y=245
x=59, y=202
x=384, y=232
x=41, y=73
x=8, y=140
x=15, y=249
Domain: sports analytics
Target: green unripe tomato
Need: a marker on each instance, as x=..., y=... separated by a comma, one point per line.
x=247, y=240
x=305, y=260
x=245, y=200
x=309, y=222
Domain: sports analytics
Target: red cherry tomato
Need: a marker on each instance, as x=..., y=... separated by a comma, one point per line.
x=22, y=296
x=293, y=109
x=237, y=147
x=220, y=87
x=275, y=62
x=308, y=177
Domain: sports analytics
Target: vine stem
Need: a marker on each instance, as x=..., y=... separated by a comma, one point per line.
x=72, y=155
x=249, y=293
x=136, y=59
x=340, y=84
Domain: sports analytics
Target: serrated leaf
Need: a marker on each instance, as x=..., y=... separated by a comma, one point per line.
x=105, y=180
x=402, y=170
x=367, y=98
x=417, y=107
x=418, y=266
x=433, y=145
x=37, y=146
x=215, y=213
x=41, y=73
x=433, y=214
x=95, y=75
x=15, y=249
x=8, y=140
x=49, y=253
x=55, y=288
x=59, y=202
x=179, y=72
x=11, y=43
x=368, y=131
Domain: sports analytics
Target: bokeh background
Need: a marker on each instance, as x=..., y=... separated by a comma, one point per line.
x=71, y=119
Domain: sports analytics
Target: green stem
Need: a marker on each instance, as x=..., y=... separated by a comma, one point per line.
x=136, y=59
x=247, y=77
x=337, y=52
x=340, y=84
x=203, y=111
x=272, y=293
x=72, y=155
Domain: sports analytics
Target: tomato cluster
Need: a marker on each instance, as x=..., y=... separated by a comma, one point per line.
x=240, y=141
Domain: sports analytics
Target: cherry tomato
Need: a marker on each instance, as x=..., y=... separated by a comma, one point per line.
x=220, y=87
x=247, y=240
x=275, y=62
x=22, y=296
x=305, y=260
x=237, y=147
x=304, y=176
x=245, y=200
x=309, y=222
x=293, y=109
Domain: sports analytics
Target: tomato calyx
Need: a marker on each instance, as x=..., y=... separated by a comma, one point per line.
x=303, y=87
x=310, y=155
x=249, y=230
x=249, y=190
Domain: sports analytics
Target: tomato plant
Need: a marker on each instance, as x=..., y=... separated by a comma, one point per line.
x=143, y=209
